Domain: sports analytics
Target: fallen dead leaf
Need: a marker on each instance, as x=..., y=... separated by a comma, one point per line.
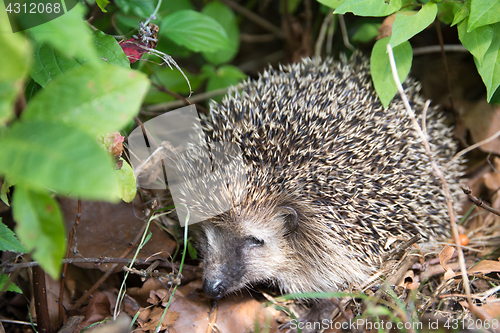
x=385, y=29
x=106, y=230
x=444, y=257
x=189, y=312
x=483, y=121
x=485, y=267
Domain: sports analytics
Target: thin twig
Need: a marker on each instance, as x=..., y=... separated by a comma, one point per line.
x=445, y=63
x=345, y=35
x=439, y=48
x=438, y=173
x=161, y=107
x=322, y=34
x=65, y=267
x=424, y=118
x=478, y=202
x=11, y=267
x=19, y=322
x=474, y=146
x=153, y=16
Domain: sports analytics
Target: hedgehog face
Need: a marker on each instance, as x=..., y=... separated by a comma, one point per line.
x=243, y=251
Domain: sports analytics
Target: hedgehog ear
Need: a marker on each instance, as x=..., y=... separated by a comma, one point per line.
x=290, y=219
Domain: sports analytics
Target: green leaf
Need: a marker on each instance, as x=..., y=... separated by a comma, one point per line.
x=407, y=26
x=477, y=41
x=102, y=4
x=225, y=76
x=460, y=15
x=126, y=182
x=40, y=228
x=483, y=12
x=4, y=280
x=369, y=7
x=446, y=11
x=109, y=50
x=366, y=32
x=8, y=240
x=381, y=68
x=49, y=63
x=43, y=155
x=196, y=31
x=7, y=183
x=490, y=68
x=69, y=35
x=175, y=6
x=94, y=99
x=331, y=3
x=192, y=251
x=140, y=8
x=174, y=81
x=14, y=56
x=225, y=16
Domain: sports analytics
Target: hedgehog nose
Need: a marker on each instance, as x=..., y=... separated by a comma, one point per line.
x=214, y=288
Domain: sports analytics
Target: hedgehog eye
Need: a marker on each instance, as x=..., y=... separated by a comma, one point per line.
x=254, y=241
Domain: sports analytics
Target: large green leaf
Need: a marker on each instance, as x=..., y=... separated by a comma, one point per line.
x=477, y=41
x=483, y=12
x=225, y=16
x=94, y=99
x=381, y=68
x=407, y=26
x=490, y=68
x=196, y=31
x=14, y=57
x=49, y=63
x=8, y=241
x=40, y=228
x=42, y=154
x=69, y=35
x=369, y=7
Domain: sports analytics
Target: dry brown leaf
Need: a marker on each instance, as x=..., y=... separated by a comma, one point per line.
x=385, y=29
x=492, y=178
x=483, y=121
x=409, y=281
x=492, y=307
x=485, y=267
x=444, y=257
x=106, y=230
x=99, y=308
x=189, y=312
x=142, y=294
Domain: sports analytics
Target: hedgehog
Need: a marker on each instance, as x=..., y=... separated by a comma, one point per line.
x=330, y=176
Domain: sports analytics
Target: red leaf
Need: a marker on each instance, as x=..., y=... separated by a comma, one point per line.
x=133, y=49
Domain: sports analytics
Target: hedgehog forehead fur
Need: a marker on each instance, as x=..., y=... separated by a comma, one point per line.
x=317, y=142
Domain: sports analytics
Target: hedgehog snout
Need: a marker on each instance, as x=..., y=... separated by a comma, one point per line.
x=214, y=288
